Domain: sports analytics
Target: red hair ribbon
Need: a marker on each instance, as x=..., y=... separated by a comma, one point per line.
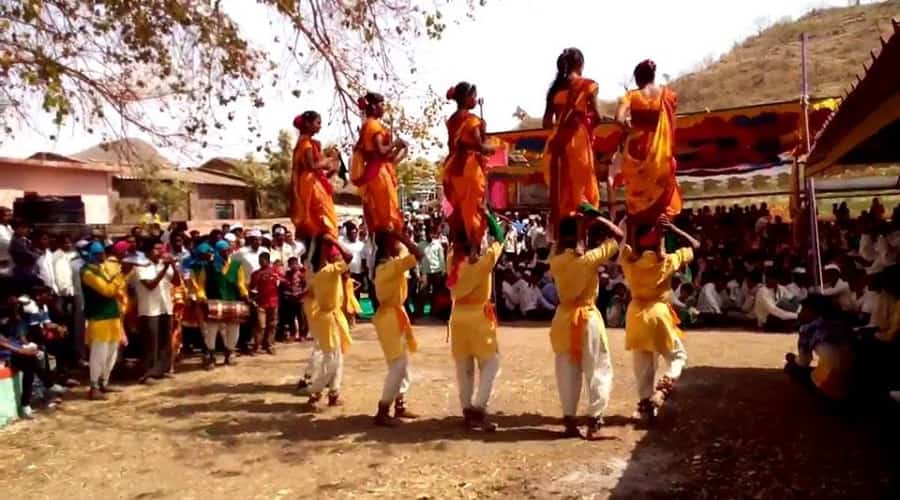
x=362, y=103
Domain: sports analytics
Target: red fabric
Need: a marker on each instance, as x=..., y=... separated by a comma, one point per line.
x=265, y=282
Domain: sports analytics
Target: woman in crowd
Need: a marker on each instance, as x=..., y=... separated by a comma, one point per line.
x=648, y=159
x=327, y=322
x=463, y=176
x=473, y=322
x=571, y=110
x=651, y=325
x=392, y=323
x=372, y=170
x=577, y=334
x=312, y=206
x=104, y=318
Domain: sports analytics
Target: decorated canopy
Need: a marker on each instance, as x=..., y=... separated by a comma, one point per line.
x=713, y=143
x=865, y=129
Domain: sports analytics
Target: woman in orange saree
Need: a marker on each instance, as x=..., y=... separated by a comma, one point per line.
x=312, y=205
x=572, y=110
x=462, y=175
x=373, y=168
x=648, y=159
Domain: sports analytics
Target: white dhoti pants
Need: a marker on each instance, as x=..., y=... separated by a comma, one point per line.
x=230, y=333
x=397, y=380
x=329, y=372
x=315, y=360
x=488, y=370
x=645, y=367
x=595, y=369
x=102, y=361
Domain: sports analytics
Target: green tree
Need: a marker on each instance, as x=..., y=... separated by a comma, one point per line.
x=271, y=179
x=417, y=177
x=117, y=65
x=170, y=193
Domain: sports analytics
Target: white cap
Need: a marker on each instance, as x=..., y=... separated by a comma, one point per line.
x=832, y=267
x=267, y=236
x=254, y=233
x=799, y=270
x=279, y=230
x=82, y=243
x=231, y=238
x=236, y=226
x=768, y=263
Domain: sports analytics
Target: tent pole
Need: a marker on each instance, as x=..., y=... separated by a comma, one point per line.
x=814, y=232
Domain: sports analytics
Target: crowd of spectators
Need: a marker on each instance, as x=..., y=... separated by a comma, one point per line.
x=750, y=273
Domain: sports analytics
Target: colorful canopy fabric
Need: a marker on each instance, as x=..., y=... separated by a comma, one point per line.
x=729, y=141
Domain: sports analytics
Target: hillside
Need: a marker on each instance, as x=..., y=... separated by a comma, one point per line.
x=130, y=150
x=766, y=67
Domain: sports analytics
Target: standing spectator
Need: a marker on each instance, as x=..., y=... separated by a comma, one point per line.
x=6, y=236
x=221, y=278
x=298, y=249
x=537, y=235
x=77, y=331
x=510, y=243
x=264, y=285
x=433, y=268
x=177, y=249
x=248, y=257
x=151, y=218
x=293, y=288
x=22, y=355
x=155, y=308
x=357, y=249
x=281, y=251
x=44, y=263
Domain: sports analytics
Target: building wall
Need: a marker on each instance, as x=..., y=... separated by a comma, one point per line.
x=130, y=203
x=207, y=203
x=93, y=187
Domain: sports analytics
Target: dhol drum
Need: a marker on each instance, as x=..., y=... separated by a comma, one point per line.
x=227, y=311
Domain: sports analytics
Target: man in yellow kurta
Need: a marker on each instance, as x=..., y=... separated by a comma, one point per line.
x=104, y=318
x=327, y=322
x=473, y=323
x=392, y=323
x=577, y=334
x=651, y=324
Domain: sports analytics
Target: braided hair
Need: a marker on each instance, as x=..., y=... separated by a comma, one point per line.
x=570, y=60
x=368, y=102
x=644, y=73
x=460, y=92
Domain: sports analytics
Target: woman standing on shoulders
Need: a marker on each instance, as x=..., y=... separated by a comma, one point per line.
x=651, y=323
x=373, y=168
x=312, y=205
x=572, y=112
x=648, y=162
x=463, y=171
x=392, y=323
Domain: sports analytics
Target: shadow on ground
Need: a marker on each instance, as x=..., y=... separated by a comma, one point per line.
x=753, y=433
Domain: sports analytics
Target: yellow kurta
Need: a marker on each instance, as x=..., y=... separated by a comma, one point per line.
x=577, y=282
x=650, y=323
x=391, y=321
x=890, y=323
x=473, y=323
x=351, y=305
x=105, y=330
x=327, y=322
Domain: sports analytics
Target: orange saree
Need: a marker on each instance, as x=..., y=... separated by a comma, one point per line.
x=648, y=161
x=569, y=155
x=463, y=176
x=312, y=205
x=375, y=177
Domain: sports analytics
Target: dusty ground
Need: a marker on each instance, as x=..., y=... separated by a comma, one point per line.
x=737, y=428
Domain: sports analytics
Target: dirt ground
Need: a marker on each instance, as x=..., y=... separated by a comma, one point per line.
x=736, y=428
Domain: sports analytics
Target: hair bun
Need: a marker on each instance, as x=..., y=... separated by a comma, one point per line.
x=298, y=122
x=451, y=93
x=362, y=103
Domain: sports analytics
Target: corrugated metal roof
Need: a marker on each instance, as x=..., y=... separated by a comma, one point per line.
x=190, y=176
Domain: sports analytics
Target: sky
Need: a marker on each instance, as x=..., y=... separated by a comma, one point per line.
x=509, y=50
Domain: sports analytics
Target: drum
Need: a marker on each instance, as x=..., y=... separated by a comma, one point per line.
x=227, y=311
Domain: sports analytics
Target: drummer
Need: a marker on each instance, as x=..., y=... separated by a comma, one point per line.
x=218, y=277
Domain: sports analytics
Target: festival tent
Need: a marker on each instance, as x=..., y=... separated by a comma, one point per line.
x=711, y=143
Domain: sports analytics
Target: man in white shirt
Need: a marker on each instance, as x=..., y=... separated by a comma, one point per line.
x=44, y=264
x=154, y=305
x=798, y=287
x=249, y=255
x=358, y=268
x=713, y=299
x=511, y=243
x=836, y=288
x=6, y=235
x=77, y=331
x=298, y=249
x=538, y=235
x=281, y=251
x=765, y=307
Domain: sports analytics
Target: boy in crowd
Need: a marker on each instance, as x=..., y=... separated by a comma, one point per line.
x=264, y=284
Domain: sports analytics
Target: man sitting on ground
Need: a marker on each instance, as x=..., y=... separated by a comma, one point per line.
x=768, y=315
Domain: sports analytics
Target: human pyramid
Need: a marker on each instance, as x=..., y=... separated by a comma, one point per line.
x=577, y=334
